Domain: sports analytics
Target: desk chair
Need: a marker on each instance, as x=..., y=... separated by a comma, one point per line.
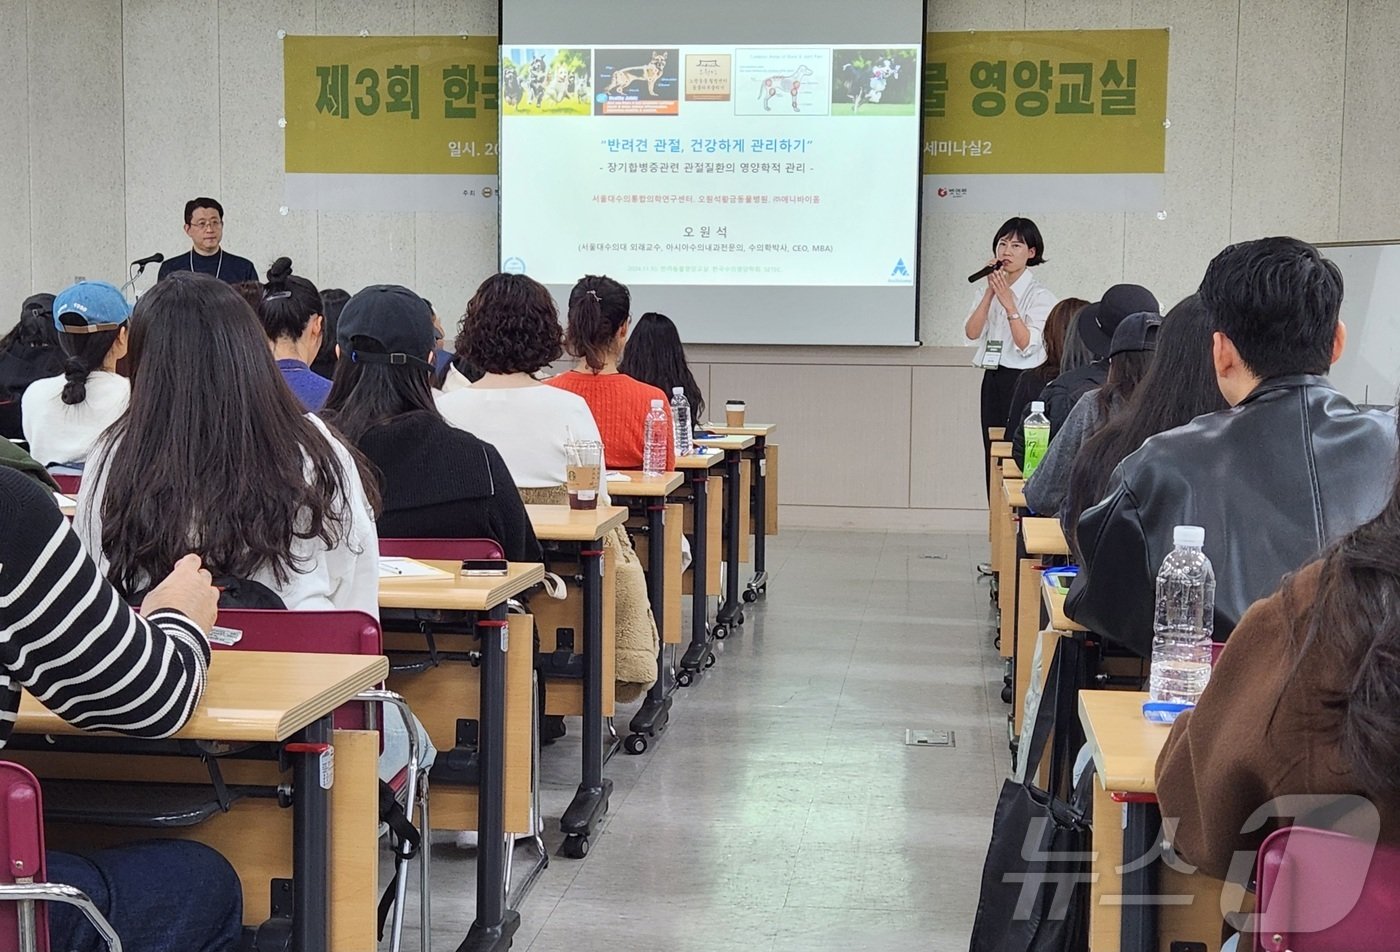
x=68, y=483
x=459, y=550
x=350, y=632
x=23, y=927
x=1321, y=891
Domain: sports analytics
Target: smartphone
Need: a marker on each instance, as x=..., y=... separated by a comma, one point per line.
x=484, y=567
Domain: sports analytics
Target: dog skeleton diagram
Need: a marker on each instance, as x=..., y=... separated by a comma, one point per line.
x=790, y=84
x=622, y=79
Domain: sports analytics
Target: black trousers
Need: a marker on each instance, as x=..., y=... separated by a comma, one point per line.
x=998, y=386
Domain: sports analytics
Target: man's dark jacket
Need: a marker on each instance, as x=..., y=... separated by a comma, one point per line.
x=1273, y=481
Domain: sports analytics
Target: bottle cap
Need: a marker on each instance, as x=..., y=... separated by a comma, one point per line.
x=678, y=391
x=1193, y=536
x=656, y=404
x=1037, y=406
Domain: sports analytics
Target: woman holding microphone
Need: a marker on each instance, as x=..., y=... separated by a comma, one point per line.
x=1008, y=321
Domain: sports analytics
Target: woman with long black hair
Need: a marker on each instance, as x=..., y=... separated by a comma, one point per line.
x=655, y=355
x=215, y=456
x=437, y=481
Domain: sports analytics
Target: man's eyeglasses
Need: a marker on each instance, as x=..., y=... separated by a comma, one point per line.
x=213, y=223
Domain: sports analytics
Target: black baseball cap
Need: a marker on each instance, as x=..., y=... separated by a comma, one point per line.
x=1098, y=321
x=1137, y=332
x=395, y=318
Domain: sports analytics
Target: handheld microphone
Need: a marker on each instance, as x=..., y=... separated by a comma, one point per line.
x=156, y=258
x=974, y=278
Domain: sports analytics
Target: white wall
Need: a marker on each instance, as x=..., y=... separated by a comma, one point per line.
x=1284, y=120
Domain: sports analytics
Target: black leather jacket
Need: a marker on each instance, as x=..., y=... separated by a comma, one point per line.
x=1274, y=480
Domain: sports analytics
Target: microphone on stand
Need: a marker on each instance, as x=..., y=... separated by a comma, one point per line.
x=974, y=278
x=141, y=263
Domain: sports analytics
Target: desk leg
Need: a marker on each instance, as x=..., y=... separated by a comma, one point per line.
x=698, y=655
x=731, y=612
x=652, y=716
x=591, y=800
x=758, y=585
x=1139, y=923
x=494, y=924
x=311, y=837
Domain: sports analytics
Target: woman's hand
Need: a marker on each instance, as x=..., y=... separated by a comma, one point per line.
x=996, y=283
x=189, y=589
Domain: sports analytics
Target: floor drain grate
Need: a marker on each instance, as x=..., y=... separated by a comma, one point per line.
x=924, y=738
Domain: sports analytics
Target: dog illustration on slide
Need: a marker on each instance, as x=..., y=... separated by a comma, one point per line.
x=622, y=79
x=789, y=83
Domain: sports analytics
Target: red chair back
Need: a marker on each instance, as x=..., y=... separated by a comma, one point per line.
x=21, y=848
x=1215, y=648
x=442, y=550
x=1320, y=891
x=322, y=632
x=68, y=483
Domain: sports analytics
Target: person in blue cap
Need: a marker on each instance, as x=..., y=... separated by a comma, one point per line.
x=64, y=415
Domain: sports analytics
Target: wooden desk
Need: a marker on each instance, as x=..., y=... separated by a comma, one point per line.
x=1126, y=827
x=1012, y=500
x=586, y=527
x=1009, y=469
x=1001, y=449
x=765, y=481
x=1055, y=608
x=706, y=545
x=731, y=611
x=663, y=561
x=504, y=749
x=1015, y=492
x=996, y=433
x=270, y=697
x=1043, y=536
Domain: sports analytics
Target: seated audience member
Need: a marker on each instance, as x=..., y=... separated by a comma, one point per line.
x=1129, y=358
x=73, y=643
x=204, y=225
x=1290, y=468
x=29, y=352
x=442, y=357
x=13, y=456
x=511, y=330
x=1031, y=382
x=600, y=311
x=436, y=481
x=64, y=415
x=215, y=456
x=290, y=311
x=1094, y=329
x=252, y=292
x=1179, y=386
x=1305, y=699
x=655, y=355
x=332, y=301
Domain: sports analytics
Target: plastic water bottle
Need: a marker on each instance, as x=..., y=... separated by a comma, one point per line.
x=654, y=449
x=680, y=421
x=1185, y=619
x=1037, y=438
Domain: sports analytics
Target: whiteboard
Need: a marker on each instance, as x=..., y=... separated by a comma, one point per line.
x=1369, y=371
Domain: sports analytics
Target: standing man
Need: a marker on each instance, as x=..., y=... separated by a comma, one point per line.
x=204, y=223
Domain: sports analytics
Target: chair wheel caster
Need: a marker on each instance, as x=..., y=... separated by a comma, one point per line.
x=710, y=660
x=740, y=619
x=1006, y=694
x=685, y=679
x=720, y=632
x=996, y=642
x=750, y=595
x=574, y=846
x=635, y=744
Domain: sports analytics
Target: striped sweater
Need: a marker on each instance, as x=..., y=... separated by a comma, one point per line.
x=67, y=637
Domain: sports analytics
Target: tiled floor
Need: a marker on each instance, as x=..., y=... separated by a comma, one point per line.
x=781, y=810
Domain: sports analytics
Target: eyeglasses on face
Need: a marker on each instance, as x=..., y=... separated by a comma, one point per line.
x=202, y=224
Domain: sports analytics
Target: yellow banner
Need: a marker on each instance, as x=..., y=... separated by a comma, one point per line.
x=391, y=104
x=1045, y=102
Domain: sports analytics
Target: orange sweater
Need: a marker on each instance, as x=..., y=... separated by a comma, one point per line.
x=619, y=404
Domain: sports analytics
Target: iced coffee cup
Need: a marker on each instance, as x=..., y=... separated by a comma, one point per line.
x=585, y=466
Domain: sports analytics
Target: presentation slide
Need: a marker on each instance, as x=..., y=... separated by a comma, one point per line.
x=758, y=183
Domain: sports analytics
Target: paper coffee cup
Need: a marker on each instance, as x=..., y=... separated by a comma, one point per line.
x=734, y=412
